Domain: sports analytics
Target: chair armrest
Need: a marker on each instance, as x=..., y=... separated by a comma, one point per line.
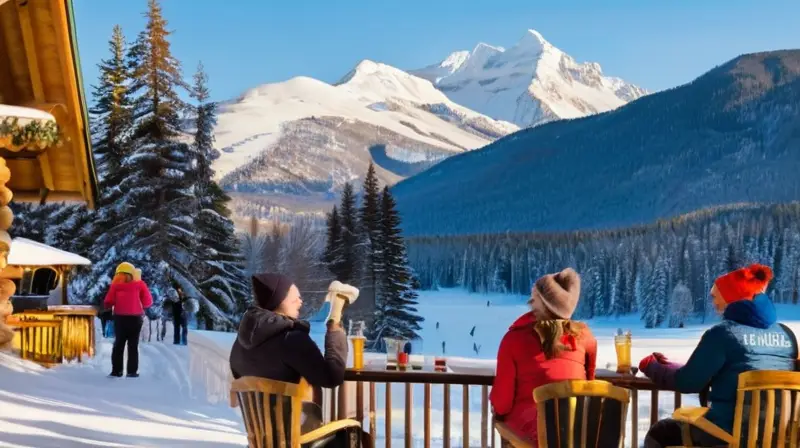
x=328, y=429
x=510, y=437
x=695, y=416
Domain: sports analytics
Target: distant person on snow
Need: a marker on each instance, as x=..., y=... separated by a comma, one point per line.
x=748, y=338
x=182, y=307
x=543, y=346
x=129, y=298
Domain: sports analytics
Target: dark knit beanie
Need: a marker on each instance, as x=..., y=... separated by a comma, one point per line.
x=560, y=292
x=270, y=290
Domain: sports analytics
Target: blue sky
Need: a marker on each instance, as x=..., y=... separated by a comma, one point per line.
x=244, y=43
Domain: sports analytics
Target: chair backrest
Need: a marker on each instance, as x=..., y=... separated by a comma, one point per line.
x=585, y=414
x=767, y=409
x=271, y=411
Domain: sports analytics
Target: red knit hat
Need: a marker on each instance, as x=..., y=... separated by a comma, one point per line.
x=743, y=284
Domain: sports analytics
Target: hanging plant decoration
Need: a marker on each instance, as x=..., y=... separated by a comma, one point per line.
x=20, y=131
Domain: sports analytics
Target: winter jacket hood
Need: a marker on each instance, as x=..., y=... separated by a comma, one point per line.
x=259, y=325
x=759, y=312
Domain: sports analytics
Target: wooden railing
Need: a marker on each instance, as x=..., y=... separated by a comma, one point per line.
x=75, y=334
x=366, y=382
x=40, y=341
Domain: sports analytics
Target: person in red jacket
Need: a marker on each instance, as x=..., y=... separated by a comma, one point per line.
x=129, y=299
x=543, y=346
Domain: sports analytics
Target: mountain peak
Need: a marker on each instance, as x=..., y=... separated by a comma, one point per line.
x=534, y=40
x=366, y=68
x=531, y=83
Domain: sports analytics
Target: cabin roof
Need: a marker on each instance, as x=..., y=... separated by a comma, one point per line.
x=40, y=69
x=28, y=253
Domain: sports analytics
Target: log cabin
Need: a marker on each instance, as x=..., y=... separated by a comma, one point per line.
x=45, y=152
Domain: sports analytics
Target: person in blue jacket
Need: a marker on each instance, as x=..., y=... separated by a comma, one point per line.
x=748, y=338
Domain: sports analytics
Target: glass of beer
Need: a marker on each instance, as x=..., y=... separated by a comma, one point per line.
x=622, y=343
x=357, y=339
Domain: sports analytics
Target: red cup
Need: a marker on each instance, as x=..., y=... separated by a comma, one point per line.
x=402, y=358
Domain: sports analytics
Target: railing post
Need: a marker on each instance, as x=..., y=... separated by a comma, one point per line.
x=388, y=415
x=409, y=436
x=446, y=411
x=653, y=407
x=373, y=424
x=484, y=415
x=342, y=401
x=427, y=416
x=634, y=417
x=465, y=416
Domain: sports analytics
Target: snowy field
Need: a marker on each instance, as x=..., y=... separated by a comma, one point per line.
x=168, y=405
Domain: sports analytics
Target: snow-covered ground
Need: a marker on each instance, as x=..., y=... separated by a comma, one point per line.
x=168, y=405
x=78, y=405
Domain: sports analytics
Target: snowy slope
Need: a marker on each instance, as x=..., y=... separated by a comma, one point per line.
x=304, y=138
x=78, y=406
x=531, y=83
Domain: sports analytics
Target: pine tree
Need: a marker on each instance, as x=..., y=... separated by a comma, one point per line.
x=370, y=220
x=219, y=264
x=111, y=125
x=681, y=301
x=154, y=223
x=396, y=315
x=332, y=254
x=347, y=268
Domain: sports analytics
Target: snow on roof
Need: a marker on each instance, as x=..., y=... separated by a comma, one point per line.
x=25, y=252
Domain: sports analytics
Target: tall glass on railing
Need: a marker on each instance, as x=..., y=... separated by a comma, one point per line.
x=357, y=339
x=622, y=343
x=394, y=347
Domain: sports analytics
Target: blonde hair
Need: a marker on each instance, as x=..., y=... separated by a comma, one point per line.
x=122, y=277
x=551, y=332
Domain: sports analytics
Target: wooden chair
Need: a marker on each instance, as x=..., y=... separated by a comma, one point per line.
x=508, y=438
x=272, y=412
x=757, y=407
x=571, y=414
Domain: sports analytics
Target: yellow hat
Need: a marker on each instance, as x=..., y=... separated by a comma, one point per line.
x=126, y=268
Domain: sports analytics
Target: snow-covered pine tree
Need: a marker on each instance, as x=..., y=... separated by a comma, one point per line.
x=681, y=305
x=396, y=314
x=111, y=126
x=219, y=264
x=253, y=243
x=154, y=226
x=370, y=220
x=347, y=268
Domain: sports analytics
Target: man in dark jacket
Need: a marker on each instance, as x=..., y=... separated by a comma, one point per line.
x=273, y=343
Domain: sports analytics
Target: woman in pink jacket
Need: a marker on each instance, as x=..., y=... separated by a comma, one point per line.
x=129, y=298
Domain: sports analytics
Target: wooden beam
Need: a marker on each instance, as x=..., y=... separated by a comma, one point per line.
x=47, y=173
x=59, y=13
x=30, y=50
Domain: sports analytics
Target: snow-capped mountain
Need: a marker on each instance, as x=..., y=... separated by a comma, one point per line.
x=531, y=83
x=729, y=137
x=294, y=144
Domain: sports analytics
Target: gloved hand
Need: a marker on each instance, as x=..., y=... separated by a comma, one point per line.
x=340, y=295
x=653, y=358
